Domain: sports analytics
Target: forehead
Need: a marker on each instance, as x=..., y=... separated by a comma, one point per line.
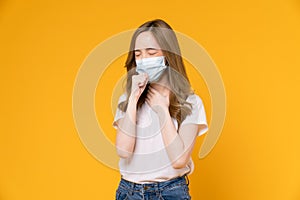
x=146, y=40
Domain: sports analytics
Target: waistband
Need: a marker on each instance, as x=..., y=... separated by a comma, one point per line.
x=155, y=185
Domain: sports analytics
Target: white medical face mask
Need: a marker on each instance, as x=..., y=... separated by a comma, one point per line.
x=153, y=66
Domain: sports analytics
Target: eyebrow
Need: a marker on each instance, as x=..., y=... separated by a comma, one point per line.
x=147, y=49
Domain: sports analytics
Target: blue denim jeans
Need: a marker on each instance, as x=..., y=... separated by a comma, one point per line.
x=174, y=189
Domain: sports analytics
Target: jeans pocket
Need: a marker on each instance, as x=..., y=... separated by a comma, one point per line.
x=175, y=192
x=121, y=194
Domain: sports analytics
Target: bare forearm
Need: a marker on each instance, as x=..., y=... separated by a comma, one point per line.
x=126, y=133
x=172, y=140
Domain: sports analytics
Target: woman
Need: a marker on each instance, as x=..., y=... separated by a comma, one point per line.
x=158, y=118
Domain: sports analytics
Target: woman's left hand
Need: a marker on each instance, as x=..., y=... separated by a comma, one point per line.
x=157, y=101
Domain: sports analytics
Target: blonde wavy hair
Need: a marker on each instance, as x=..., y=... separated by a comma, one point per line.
x=178, y=81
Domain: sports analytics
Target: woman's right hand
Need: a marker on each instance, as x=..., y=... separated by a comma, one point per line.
x=139, y=83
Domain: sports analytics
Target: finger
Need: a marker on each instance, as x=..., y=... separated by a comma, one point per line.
x=146, y=75
x=142, y=81
x=154, y=91
x=140, y=77
x=141, y=84
x=143, y=76
x=150, y=92
x=149, y=95
x=147, y=78
x=148, y=101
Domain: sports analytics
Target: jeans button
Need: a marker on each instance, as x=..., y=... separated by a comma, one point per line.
x=146, y=187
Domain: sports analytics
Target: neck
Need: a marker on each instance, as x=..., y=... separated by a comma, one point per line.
x=160, y=88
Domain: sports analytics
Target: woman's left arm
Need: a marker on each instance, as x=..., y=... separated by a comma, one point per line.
x=179, y=145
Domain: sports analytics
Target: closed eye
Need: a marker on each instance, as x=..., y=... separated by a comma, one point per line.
x=152, y=51
x=137, y=52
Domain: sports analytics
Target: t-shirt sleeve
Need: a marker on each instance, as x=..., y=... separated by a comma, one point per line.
x=119, y=113
x=198, y=115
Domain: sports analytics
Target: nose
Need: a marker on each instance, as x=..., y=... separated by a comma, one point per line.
x=144, y=54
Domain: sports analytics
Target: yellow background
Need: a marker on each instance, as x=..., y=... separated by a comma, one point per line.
x=255, y=45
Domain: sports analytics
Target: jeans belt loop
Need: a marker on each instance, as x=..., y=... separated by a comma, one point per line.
x=187, y=179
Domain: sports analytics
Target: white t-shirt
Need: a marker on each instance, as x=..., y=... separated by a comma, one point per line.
x=150, y=162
